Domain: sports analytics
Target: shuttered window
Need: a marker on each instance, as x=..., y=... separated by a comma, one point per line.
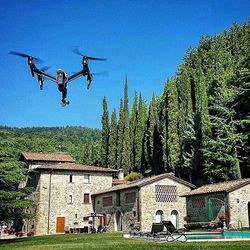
x=130, y=197
x=107, y=201
x=86, y=199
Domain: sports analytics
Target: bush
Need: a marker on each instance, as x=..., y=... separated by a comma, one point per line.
x=133, y=176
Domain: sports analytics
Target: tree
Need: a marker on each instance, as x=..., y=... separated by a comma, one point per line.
x=126, y=143
x=113, y=141
x=105, y=134
x=140, y=134
x=120, y=136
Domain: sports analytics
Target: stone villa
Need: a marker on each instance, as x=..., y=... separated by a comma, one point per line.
x=70, y=197
x=226, y=201
x=143, y=201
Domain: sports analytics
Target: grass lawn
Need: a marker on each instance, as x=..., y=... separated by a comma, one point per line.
x=109, y=241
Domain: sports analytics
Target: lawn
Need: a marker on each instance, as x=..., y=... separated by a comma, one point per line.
x=109, y=241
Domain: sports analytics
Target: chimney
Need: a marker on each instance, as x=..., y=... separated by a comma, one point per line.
x=120, y=174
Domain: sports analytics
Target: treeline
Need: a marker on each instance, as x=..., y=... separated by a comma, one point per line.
x=83, y=144
x=199, y=127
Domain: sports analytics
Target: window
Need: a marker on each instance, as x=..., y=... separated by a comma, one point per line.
x=130, y=197
x=70, y=199
x=86, y=178
x=165, y=193
x=158, y=216
x=107, y=201
x=86, y=199
x=71, y=178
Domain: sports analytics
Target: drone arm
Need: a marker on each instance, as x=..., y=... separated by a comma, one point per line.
x=75, y=76
x=45, y=75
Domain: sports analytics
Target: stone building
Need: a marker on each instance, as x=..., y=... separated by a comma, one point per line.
x=63, y=192
x=143, y=201
x=228, y=202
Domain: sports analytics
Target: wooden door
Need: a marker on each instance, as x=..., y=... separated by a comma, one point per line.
x=60, y=224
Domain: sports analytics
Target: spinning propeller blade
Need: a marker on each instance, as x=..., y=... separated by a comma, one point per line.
x=77, y=51
x=38, y=60
x=102, y=73
x=45, y=68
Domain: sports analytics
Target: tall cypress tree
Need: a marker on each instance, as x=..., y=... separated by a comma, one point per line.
x=126, y=144
x=133, y=127
x=113, y=141
x=105, y=134
x=120, y=136
x=173, y=142
x=140, y=134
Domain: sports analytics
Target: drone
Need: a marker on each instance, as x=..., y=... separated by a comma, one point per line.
x=61, y=79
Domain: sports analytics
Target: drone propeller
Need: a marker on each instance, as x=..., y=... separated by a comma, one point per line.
x=102, y=73
x=45, y=68
x=77, y=51
x=38, y=60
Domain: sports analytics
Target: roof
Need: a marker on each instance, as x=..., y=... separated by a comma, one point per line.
x=30, y=156
x=75, y=167
x=226, y=187
x=143, y=182
x=119, y=182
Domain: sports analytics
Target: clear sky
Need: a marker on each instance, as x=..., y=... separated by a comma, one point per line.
x=143, y=39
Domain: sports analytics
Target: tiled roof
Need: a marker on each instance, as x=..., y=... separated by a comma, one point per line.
x=118, y=182
x=30, y=156
x=76, y=167
x=143, y=182
x=227, y=186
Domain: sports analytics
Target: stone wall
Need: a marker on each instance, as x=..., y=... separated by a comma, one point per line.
x=144, y=208
x=149, y=206
x=55, y=190
x=119, y=215
x=238, y=202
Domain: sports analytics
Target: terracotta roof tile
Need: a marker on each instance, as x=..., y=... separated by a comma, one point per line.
x=77, y=167
x=30, y=156
x=143, y=182
x=227, y=187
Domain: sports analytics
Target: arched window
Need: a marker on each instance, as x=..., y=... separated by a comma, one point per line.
x=158, y=216
x=175, y=218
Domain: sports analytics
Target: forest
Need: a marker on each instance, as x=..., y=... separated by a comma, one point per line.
x=199, y=127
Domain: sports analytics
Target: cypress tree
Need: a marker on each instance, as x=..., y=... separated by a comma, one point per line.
x=133, y=127
x=113, y=141
x=120, y=136
x=173, y=142
x=105, y=134
x=139, y=134
x=126, y=143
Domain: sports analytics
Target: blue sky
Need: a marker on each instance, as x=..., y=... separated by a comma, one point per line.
x=143, y=39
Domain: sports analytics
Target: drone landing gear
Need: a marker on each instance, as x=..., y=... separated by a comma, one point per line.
x=64, y=102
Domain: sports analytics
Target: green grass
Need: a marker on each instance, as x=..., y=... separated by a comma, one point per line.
x=109, y=241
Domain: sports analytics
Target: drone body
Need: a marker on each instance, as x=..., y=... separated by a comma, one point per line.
x=61, y=79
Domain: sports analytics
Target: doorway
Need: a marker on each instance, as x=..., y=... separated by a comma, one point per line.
x=175, y=218
x=118, y=218
x=159, y=216
x=60, y=224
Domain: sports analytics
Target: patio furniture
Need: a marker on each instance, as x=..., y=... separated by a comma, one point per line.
x=174, y=234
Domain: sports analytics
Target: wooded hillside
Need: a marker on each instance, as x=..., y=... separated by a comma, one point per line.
x=199, y=127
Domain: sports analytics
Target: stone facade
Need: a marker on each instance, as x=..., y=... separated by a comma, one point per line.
x=226, y=202
x=58, y=197
x=154, y=199
x=239, y=207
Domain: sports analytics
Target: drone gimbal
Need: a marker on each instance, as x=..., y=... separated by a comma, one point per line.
x=62, y=79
